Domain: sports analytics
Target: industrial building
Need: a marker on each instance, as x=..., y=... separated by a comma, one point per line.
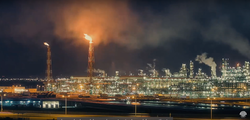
x=16, y=89
x=234, y=82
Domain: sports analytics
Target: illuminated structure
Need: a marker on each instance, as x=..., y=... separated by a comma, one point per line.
x=91, y=60
x=16, y=89
x=224, y=66
x=232, y=83
x=191, y=65
x=49, y=83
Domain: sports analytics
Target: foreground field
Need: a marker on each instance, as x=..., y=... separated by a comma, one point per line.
x=45, y=116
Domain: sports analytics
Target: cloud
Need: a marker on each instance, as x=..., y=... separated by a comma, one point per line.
x=116, y=21
x=221, y=31
x=105, y=21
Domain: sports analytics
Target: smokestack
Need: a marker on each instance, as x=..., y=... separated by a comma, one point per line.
x=191, y=75
x=48, y=86
x=152, y=69
x=140, y=72
x=246, y=67
x=208, y=61
x=184, y=70
x=199, y=71
x=117, y=73
x=167, y=72
x=225, y=65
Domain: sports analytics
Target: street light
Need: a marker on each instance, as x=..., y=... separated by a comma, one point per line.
x=135, y=104
x=135, y=88
x=66, y=96
x=98, y=89
x=2, y=101
x=245, y=93
x=211, y=106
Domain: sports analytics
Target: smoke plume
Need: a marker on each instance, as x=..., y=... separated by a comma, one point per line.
x=208, y=61
x=98, y=71
x=116, y=21
x=221, y=31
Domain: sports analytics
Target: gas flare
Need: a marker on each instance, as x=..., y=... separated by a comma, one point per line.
x=87, y=37
x=46, y=44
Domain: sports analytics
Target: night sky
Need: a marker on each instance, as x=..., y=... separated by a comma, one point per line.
x=127, y=34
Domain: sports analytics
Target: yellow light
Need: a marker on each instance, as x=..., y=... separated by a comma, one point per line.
x=87, y=37
x=46, y=44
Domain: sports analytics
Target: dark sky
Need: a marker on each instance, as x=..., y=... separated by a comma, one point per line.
x=127, y=34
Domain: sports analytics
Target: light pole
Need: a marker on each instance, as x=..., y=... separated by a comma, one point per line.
x=98, y=90
x=135, y=104
x=2, y=101
x=66, y=103
x=245, y=93
x=135, y=88
x=81, y=88
x=211, y=106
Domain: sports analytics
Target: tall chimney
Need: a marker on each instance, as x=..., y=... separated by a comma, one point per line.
x=117, y=73
x=191, y=75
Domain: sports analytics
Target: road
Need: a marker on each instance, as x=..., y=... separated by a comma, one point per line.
x=46, y=116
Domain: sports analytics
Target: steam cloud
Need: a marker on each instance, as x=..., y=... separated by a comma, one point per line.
x=114, y=21
x=98, y=71
x=208, y=61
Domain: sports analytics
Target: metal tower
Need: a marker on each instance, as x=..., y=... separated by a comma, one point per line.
x=191, y=75
x=91, y=61
x=49, y=70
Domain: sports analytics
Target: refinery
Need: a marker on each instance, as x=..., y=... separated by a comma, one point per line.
x=233, y=83
x=143, y=92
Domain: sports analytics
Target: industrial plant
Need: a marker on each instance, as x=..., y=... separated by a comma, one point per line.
x=234, y=81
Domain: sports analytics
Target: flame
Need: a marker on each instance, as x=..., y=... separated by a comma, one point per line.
x=46, y=44
x=238, y=64
x=87, y=37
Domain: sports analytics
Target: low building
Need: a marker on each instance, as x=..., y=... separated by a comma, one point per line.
x=50, y=104
x=15, y=89
x=32, y=90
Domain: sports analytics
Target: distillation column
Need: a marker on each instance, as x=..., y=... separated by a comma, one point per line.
x=191, y=75
x=224, y=66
